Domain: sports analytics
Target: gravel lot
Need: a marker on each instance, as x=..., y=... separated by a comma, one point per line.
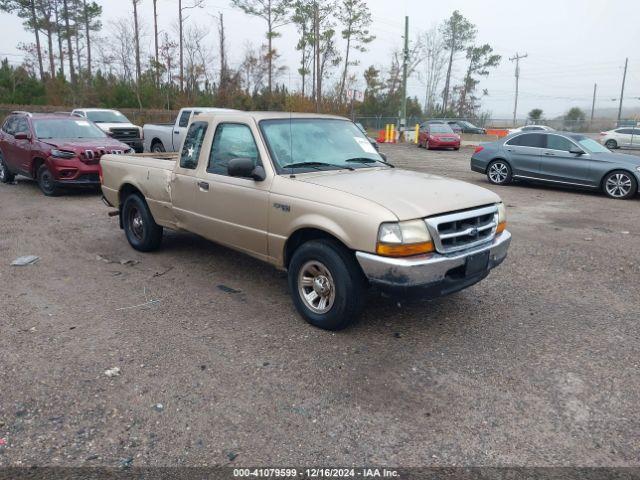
x=536, y=365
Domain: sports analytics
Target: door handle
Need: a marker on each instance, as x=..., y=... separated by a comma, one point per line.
x=203, y=185
x=177, y=132
x=549, y=154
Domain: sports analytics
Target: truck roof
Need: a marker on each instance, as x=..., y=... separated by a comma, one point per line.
x=257, y=116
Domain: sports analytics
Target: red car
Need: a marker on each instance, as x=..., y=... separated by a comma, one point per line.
x=438, y=135
x=56, y=150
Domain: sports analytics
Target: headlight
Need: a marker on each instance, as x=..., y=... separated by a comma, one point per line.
x=131, y=151
x=502, y=218
x=62, y=153
x=403, y=239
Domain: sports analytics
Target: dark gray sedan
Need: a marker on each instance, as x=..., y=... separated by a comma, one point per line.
x=558, y=158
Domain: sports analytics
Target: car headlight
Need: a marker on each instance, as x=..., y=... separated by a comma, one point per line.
x=62, y=153
x=502, y=218
x=403, y=239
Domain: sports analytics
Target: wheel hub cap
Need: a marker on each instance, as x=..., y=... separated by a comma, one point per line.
x=498, y=172
x=618, y=185
x=137, y=224
x=316, y=287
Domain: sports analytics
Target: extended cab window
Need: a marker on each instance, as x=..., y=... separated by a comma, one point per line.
x=231, y=140
x=184, y=118
x=528, y=140
x=556, y=142
x=192, y=145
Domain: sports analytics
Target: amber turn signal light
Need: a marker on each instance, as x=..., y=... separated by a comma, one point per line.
x=407, y=250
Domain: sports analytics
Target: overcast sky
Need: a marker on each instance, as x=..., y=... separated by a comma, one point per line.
x=571, y=44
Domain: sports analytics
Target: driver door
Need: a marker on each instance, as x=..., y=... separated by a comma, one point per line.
x=232, y=210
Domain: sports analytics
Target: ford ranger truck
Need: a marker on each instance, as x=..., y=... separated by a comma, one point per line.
x=309, y=194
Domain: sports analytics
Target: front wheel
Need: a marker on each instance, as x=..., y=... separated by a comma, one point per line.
x=142, y=231
x=327, y=286
x=620, y=185
x=499, y=172
x=46, y=182
x=5, y=174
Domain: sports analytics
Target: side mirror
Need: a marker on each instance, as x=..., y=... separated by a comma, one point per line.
x=245, y=168
x=576, y=151
x=22, y=136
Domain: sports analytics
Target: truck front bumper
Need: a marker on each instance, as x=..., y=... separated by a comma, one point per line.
x=434, y=275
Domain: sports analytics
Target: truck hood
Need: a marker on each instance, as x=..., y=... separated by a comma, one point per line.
x=107, y=126
x=407, y=194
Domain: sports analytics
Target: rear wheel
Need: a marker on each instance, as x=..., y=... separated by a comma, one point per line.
x=157, y=147
x=620, y=185
x=611, y=144
x=327, y=286
x=5, y=175
x=46, y=182
x=499, y=172
x=142, y=231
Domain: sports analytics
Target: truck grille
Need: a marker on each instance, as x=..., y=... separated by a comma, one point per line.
x=125, y=133
x=462, y=230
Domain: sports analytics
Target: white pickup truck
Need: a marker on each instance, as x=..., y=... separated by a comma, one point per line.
x=115, y=124
x=168, y=137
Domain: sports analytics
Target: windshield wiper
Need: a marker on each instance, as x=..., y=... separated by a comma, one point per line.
x=366, y=160
x=316, y=165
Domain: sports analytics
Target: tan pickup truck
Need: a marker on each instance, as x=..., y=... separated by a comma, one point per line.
x=309, y=194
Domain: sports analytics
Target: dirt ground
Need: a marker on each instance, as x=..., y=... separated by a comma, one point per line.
x=536, y=365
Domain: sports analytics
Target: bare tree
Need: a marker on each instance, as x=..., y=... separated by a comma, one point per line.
x=155, y=41
x=253, y=68
x=434, y=63
x=26, y=9
x=136, y=39
x=123, y=45
x=181, y=18
x=276, y=14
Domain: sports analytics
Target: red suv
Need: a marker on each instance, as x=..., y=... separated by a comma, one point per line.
x=438, y=135
x=56, y=150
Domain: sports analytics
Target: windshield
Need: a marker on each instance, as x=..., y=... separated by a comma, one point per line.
x=321, y=144
x=63, y=128
x=592, y=145
x=440, y=128
x=107, y=116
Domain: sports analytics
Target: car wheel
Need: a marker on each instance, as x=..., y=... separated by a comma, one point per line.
x=456, y=148
x=157, y=147
x=611, y=144
x=620, y=185
x=142, y=231
x=46, y=182
x=326, y=283
x=5, y=175
x=499, y=172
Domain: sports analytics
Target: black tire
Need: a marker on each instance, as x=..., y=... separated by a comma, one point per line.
x=456, y=149
x=347, y=283
x=611, y=144
x=142, y=231
x=5, y=174
x=620, y=185
x=499, y=172
x=157, y=147
x=46, y=182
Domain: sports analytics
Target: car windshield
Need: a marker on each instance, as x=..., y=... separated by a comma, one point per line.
x=66, y=128
x=592, y=145
x=440, y=128
x=107, y=116
x=306, y=144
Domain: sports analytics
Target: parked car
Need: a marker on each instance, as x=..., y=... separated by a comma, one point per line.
x=466, y=127
x=531, y=128
x=558, y=158
x=167, y=137
x=457, y=129
x=309, y=194
x=621, y=137
x=372, y=141
x=56, y=150
x=115, y=124
x=437, y=135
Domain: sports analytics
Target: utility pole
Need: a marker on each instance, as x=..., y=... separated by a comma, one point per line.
x=593, y=104
x=624, y=79
x=517, y=60
x=316, y=37
x=405, y=61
